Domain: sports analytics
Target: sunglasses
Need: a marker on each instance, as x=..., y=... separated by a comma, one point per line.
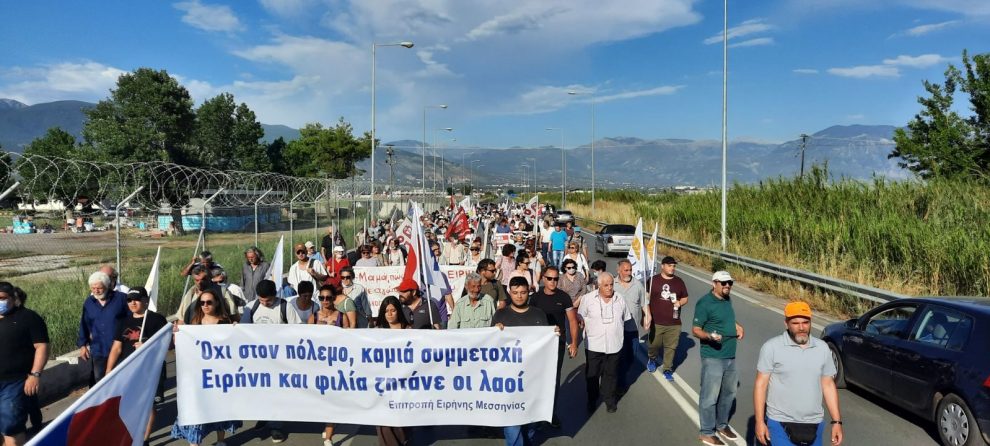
x=300, y=252
x=326, y=298
x=476, y=249
x=204, y=303
x=725, y=282
x=551, y=278
x=346, y=277
x=570, y=268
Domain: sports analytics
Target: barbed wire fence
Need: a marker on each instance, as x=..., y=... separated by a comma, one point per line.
x=64, y=202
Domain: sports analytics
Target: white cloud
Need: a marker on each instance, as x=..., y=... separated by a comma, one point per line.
x=866, y=71
x=753, y=42
x=805, y=71
x=927, y=29
x=922, y=61
x=748, y=27
x=209, y=17
x=548, y=98
x=658, y=91
x=86, y=80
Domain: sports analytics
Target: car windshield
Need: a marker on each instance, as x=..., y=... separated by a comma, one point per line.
x=619, y=229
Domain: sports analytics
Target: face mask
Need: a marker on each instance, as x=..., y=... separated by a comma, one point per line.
x=4, y=306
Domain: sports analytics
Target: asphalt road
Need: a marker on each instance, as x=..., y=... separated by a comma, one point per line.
x=653, y=411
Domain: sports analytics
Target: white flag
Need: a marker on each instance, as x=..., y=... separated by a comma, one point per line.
x=151, y=285
x=637, y=253
x=275, y=270
x=651, y=252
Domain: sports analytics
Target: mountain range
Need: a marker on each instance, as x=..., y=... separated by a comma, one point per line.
x=854, y=151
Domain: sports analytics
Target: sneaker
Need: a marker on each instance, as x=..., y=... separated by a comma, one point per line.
x=727, y=433
x=277, y=436
x=669, y=374
x=711, y=440
x=651, y=365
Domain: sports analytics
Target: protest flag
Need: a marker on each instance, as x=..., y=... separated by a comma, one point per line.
x=275, y=270
x=152, y=283
x=636, y=253
x=115, y=411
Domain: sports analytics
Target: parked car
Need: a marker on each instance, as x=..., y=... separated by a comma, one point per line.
x=614, y=238
x=564, y=217
x=930, y=356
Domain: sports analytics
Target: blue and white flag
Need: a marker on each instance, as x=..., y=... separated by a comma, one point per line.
x=115, y=411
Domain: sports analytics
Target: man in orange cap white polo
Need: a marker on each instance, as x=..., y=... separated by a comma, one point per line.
x=795, y=371
x=415, y=306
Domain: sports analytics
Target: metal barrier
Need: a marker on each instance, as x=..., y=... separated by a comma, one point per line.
x=804, y=277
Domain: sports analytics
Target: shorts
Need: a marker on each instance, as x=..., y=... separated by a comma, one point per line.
x=13, y=412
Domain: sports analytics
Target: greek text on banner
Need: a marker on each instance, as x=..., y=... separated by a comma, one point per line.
x=480, y=377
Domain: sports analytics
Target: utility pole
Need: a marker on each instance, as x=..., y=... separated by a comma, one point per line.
x=389, y=153
x=804, y=143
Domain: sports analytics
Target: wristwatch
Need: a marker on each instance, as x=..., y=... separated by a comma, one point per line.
x=836, y=422
x=35, y=374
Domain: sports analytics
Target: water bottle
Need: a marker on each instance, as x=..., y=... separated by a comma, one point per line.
x=715, y=336
x=677, y=311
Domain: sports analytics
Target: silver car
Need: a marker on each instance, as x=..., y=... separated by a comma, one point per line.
x=614, y=238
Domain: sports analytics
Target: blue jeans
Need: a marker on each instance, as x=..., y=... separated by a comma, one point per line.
x=556, y=257
x=719, y=381
x=778, y=437
x=545, y=250
x=524, y=435
x=13, y=413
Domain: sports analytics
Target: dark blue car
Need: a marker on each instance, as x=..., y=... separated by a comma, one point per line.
x=930, y=356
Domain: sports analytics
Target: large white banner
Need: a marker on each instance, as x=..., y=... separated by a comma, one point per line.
x=479, y=377
x=380, y=281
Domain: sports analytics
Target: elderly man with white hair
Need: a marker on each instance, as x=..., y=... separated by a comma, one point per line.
x=102, y=309
x=604, y=312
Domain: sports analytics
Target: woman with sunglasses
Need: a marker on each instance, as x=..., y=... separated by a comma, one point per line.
x=572, y=281
x=128, y=336
x=537, y=264
x=329, y=315
x=391, y=316
x=522, y=270
x=208, y=311
x=474, y=256
x=578, y=257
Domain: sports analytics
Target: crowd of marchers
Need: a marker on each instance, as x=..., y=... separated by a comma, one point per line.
x=540, y=277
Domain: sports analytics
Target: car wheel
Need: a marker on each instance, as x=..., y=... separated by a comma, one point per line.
x=955, y=423
x=840, y=372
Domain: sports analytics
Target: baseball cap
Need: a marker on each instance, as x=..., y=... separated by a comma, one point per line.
x=797, y=309
x=407, y=284
x=309, y=244
x=668, y=260
x=721, y=276
x=338, y=248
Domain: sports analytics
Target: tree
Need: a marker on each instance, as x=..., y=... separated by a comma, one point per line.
x=44, y=180
x=939, y=142
x=148, y=117
x=227, y=136
x=332, y=151
x=275, y=152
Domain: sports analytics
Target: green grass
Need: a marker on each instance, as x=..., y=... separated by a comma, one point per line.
x=919, y=238
x=59, y=301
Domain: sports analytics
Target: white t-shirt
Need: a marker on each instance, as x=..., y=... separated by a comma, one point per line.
x=303, y=314
x=297, y=275
x=273, y=315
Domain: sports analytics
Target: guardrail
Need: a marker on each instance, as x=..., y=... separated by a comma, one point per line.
x=804, y=277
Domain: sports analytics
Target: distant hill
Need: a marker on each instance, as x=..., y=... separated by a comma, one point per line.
x=20, y=124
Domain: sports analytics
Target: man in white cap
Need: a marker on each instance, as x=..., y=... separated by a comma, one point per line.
x=313, y=253
x=716, y=327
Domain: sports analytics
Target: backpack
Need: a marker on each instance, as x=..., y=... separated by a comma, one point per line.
x=282, y=307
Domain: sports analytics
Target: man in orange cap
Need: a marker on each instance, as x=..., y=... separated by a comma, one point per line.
x=416, y=307
x=794, y=372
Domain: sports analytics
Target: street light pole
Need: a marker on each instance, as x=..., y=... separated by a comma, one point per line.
x=563, y=169
x=374, y=46
x=422, y=185
x=592, y=151
x=725, y=82
x=448, y=129
x=471, y=173
x=532, y=161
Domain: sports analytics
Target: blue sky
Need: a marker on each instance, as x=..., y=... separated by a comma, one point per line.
x=653, y=67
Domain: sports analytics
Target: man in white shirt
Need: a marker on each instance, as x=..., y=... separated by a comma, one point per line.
x=604, y=313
